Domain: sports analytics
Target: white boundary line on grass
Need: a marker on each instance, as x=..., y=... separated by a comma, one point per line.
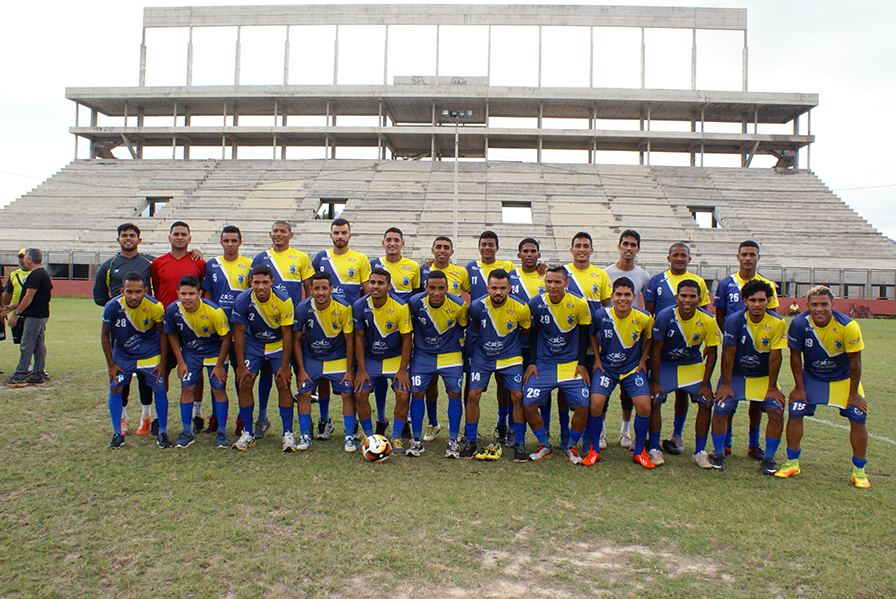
x=846, y=428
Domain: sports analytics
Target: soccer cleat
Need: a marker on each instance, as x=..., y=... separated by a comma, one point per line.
x=643, y=460
x=244, y=442
x=542, y=453
x=656, y=456
x=154, y=427
x=349, y=444
x=398, y=447
x=592, y=458
x=221, y=440
x=212, y=425
x=790, y=468
x=125, y=425
x=701, y=458
x=602, y=444
x=15, y=382
x=289, y=443
x=261, y=428
x=184, y=440
x=198, y=424
x=755, y=453
x=484, y=453
x=143, y=429
x=495, y=454
x=511, y=438
x=469, y=449
x=501, y=433
x=673, y=446
x=625, y=440
x=718, y=462
x=238, y=427
x=118, y=441
x=727, y=451
x=304, y=443
x=325, y=429
x=314, y=397
x=860, y=479
x=406, y=431
x=572, y=455
x=358, y=435
x=768, y=466
x=162, y=440
x=415, y=448
x=564, y=438
x=431, y=432
x=519, y=453
x=452, y=451
x=382, y=427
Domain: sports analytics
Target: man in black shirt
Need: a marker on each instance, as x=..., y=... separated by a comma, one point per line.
x=34, y=306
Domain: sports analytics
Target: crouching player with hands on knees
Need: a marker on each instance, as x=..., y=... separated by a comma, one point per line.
x=262, y=320
x=826, y=361
x=751, y=361
x=133, y=342
x=382, y=338
x=199, y=337
x=623, y=335
x=676, y=362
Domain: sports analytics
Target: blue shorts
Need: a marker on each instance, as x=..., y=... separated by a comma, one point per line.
x=634, y=383
x=195, y=366
x=255, y=354
x=129, y=367
x=556, y=376
x=510, y=369
x=751, y=388
x=331, y=370
x=684, y=377
x=826, y=393
x=449, y=366
x=380, y=369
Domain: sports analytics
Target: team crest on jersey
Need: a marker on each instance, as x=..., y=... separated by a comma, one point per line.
x=696, y=337
x=450, y=322
x=635, y=338
x=509, y=326
x=205, y=329
x=765, y=342
x=335, y=326
x=838, y=344
x=146, y=322
x=454, y=285
x=570, y=319
x=406, y=281
x=276, y=319
x=594, y=288
x=351, y=272
x=241, y=279
x=292, y=269
x=389, y=324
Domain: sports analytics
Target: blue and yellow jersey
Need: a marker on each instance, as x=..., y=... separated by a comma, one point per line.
x=325, y=329
x=382, y=327
x=558, y=327
x=264, y=319
x=728, y=293
x=621, y=340
x=524, y=286
x=347, y=271
x=593, y=284
x=754, y=341
x=291, y=267
x=200, y=332
x=438, y=330
x=681, y=338
x=825, y=349
x=458, y=278
x=134, y=331
x=498, y=329
x=405, y=275
x=662, y=288
x=225, y=280
x=478, y=273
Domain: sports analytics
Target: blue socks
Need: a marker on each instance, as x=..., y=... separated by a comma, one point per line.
x=542, y=437
x=574, y=437
x=455, y=413
x=595, y=424
x=432, y=411
x=771, y=446
x=220, y=412
x=324, y=403
x=678, y=424
x=397, y=427
x=519, y=430
x=754, y=438
x=642, y=423
x=503, y=411
x=655, y=440
x=115, y=411
x=161, y=398
x=859, y=463
x=380, y=392
x=367, y=426
x=265, y=384
x=246, y=417
x=472, y=431
x=545, y=410
x=718, y=443
x=418, y=409
x=700, y=444
x=729, y=438
x=286, y=416
x=348, y=424
x=305, y=424
x=186, y=416
x=793, y=454
x=563, y=415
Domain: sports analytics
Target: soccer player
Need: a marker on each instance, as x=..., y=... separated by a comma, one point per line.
x=826, y=361
x=622, y=333
x=751, y=361
x=659, y=295
x=497, y=321
x=324, y=350
x=382, y=339
x=225, y=278
x=558, y=343
x=439, y=319
x=727, y=301
x=132, y=340
x=405, y=282
x=292, y=275
x=199, y=337
x=349, y=271
x=262, y=320
x=677, y=362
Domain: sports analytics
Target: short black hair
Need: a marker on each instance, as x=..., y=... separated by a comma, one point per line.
x=284, y=223
x=581, y=235
x=339, y=222
x=133, y=276
x=623, y=282
x=394, y=230
x=128, y=227
x=498, y=273
x=679, y=245
x=528, y=240
x=755, y=285
x=488, y=235
x=383, y=273
x=688, y=283
x=321, y=276
x=179, y=223
x=443, y=238
x=630, y=233
x=232, y=229
x=189, y=281
x=557, y=268
x=436, y=274
x=261, y=269
x=749, y=243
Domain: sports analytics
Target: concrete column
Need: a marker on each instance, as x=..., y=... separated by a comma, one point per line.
x=77, y=109
x=286, y=58
x=693, y=130
x=796, y=131
x=693, y=59
x=643, y=57
x=336, y=56
x=702, y=131
x=540, y=112
x=141, y=79
x=539, y=67
x=190, y=60
x=485, y=140
x=432, y=139
x=274, y=148
x=139, y=124
x=745, y=62
x=648, y=139
x=488, y=57
x=591, y=60
x=236, y=64
x=437, y=50
x=386, y=58
x=174, y=147
x=187, y=115
x=809, y=148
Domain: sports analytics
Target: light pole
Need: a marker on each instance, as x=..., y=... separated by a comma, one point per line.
x=458, y=116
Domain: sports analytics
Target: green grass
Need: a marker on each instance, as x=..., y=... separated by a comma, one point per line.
x=80, y=520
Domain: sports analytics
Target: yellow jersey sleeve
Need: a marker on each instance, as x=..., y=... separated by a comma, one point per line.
x=287, y=313
x=713, y=336
x=404, y=319
x=219, y=321
x=525, y=316
x=852, y=338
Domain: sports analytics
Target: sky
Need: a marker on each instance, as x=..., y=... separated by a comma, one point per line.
x=844, y=52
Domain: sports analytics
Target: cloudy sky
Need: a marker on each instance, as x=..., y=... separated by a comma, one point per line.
x=845, y=53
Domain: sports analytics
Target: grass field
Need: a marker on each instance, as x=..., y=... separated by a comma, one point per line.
x=81, y=520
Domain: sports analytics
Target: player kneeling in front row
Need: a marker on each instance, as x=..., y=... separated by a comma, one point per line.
x=676, y=362
x=133, y=342
x=830, y=374
x=262, y=320
x=498, y=321
x=324, y=350
x=751, y=361
x=622, y=333
x=558, y=344
x=199, y=337
x=382, y=337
